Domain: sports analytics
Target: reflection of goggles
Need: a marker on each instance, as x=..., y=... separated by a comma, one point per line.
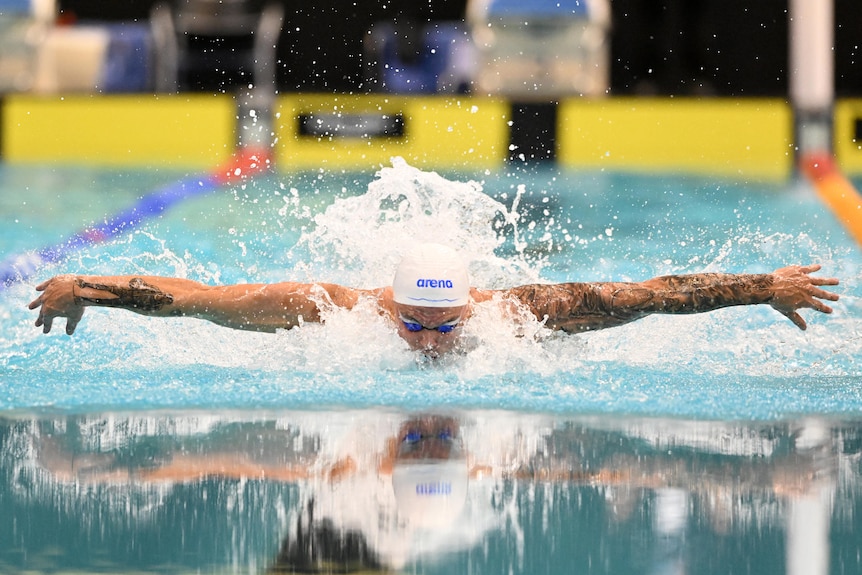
x=416, y=326
x=413, y=436
x=437, y=444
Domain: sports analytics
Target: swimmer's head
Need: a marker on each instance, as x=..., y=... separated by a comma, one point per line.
x=431, y=275
x=430, y=474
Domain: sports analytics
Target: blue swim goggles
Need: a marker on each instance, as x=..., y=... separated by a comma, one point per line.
x=442, y=328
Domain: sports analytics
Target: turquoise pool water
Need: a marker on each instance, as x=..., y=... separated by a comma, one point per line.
x=719, y=438
x=516, y=227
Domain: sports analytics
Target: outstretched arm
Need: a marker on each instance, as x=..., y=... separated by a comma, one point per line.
x=256, y=307
x=588, y=306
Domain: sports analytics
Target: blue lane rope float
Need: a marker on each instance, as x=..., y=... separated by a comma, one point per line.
x=245, y=163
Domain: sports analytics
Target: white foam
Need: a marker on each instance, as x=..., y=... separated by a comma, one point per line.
x=358, y=240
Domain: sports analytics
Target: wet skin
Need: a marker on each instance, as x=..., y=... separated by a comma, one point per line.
x=571, y=307
x=429, y=340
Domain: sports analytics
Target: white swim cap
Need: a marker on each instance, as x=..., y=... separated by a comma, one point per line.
x=430, y=493
x=431, y=275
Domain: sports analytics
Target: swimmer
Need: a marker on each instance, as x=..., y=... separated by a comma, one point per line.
x=430, y=299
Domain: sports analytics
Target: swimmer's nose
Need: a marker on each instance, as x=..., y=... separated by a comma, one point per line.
x=429, y=339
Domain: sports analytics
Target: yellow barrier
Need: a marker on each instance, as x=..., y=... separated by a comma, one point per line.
x=727, y=137
x=724, y=137
x=315, y=131
x=140, y=130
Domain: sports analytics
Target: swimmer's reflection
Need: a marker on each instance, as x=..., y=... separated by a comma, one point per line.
x=389, y=492
x=368, y=504
x=428, y=475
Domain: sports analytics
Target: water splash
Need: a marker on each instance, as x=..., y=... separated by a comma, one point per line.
x=745, y=362
x=360, y=239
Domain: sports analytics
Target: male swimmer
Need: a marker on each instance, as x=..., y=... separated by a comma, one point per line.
x=431, y=298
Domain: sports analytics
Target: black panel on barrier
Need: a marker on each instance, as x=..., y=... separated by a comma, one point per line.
x=355, y=125
x=533, y=132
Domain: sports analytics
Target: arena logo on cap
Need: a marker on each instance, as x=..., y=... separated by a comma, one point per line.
x=431, y=283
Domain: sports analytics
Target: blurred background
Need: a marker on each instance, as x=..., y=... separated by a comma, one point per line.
x=651, y=47
x=722, y=86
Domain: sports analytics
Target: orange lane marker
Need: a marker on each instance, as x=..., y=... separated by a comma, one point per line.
x=835, y=190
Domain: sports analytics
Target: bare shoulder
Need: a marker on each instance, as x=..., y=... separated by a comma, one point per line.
x=483, y=295
x=344, y=296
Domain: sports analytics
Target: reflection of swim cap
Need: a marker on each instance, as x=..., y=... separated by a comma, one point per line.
x=430, y=493
x=431, y=275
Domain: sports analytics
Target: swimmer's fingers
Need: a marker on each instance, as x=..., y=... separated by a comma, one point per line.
x=46, y=321
x=804, y=273
x=57, y=300
x=42, y=320
x=794, y=289
x=809, y=302
x=812, y=298
x=810, y=268
x=823, y=294
x=35, y=303
x=796, y=319
x=816, y=294
x=819, y=305
x=72, y=321
x=818, y=281
x=44, y=284
x=41, y=298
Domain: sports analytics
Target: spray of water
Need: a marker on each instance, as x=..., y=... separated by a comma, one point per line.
x=360, y=239
x=356, y=357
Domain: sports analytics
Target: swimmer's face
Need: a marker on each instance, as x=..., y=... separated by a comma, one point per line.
x=429, y=437
x=421, y=327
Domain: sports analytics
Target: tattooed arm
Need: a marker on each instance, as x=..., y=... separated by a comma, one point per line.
x=577, y=307
x=257, y=307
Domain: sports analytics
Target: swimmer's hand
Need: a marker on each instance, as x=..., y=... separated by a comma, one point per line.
x=794, y=288
x=57, y=300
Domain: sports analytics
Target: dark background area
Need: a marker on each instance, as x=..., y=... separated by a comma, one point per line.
x=660, y=47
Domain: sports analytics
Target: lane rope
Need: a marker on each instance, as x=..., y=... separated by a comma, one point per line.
x=836, y=191
x=245, y=163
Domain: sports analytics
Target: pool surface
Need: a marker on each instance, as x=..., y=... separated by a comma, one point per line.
x=717, y=443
